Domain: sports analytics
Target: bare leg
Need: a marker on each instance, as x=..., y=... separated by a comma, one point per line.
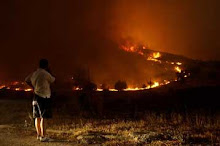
x=37, y=126
x=42, y=126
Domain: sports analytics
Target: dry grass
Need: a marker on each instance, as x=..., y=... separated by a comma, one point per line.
x=149, y=129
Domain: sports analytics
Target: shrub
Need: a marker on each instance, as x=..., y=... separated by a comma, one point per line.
x=120, y=85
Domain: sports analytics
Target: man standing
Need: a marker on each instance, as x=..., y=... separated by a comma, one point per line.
x=40, y=81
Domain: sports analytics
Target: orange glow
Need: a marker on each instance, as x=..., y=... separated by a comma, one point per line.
x=178, y=69
x=179, y=63
x=2, y=86
x=166, y=82
x=16, y=86
x=77, y=88
x=129, y=49
x=113, y=90
x=98, y=89
x=17, y=89
x=133, y=89
x=153, y=57
x=26, y=90
x=15, y=83
x=156, y=84
x=156, y=55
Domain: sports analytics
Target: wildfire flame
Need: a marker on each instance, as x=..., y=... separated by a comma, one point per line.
x=155, y=84
x=27, y=90
x=16, y=86
x=2, y=86
x=156, y=55
x=132, y=48
x=17, y=89
x=178, y=69
x=179, y=63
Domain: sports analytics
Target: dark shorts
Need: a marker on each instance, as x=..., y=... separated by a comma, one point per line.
x=42, y=108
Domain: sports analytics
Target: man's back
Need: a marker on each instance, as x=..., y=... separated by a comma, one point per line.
x=41, y=80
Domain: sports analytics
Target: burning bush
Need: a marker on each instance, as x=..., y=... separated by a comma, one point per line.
x=120, y=85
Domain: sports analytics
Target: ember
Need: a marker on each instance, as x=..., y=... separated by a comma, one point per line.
x=154, y=57
x=177, y=68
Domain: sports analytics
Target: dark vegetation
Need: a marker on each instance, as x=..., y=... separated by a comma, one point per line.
x=121, y=85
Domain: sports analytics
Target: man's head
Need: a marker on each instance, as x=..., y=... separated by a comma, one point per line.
x=43, y=63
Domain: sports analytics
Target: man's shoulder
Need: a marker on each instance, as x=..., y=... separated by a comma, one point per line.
x=46, y=73
x=40, y=71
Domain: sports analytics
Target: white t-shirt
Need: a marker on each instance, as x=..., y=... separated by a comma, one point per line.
x=41, y=80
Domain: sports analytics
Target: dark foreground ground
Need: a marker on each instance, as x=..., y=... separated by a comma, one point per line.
x=169, y=116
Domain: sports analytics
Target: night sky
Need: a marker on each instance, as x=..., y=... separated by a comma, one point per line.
x=72, y=33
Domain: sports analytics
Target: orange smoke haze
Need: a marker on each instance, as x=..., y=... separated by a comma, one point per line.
x=89, y=33
x=189, y=28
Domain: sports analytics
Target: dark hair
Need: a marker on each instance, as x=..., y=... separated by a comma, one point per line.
x=43, y=63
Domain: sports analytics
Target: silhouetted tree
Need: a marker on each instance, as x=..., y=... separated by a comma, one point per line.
x=89, y=86
x=150, y=83
x=104, y=87
x=82, y=81
x=80, y=78
x=120, y=85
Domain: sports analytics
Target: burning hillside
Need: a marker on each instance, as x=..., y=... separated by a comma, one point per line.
x=153, y=69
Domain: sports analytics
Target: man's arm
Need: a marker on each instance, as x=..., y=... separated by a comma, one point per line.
x=50, y=77
x=29, y=84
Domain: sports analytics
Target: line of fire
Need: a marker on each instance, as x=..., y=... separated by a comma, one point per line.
x=153, y=56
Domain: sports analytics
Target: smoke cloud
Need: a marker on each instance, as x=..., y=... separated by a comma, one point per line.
x=88, y=33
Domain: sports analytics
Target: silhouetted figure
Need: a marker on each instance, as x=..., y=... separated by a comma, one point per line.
x=40, y=81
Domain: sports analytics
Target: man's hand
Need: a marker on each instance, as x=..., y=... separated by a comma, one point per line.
x=29, y=83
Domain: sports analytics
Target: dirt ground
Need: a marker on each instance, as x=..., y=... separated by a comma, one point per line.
x=12, y=136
